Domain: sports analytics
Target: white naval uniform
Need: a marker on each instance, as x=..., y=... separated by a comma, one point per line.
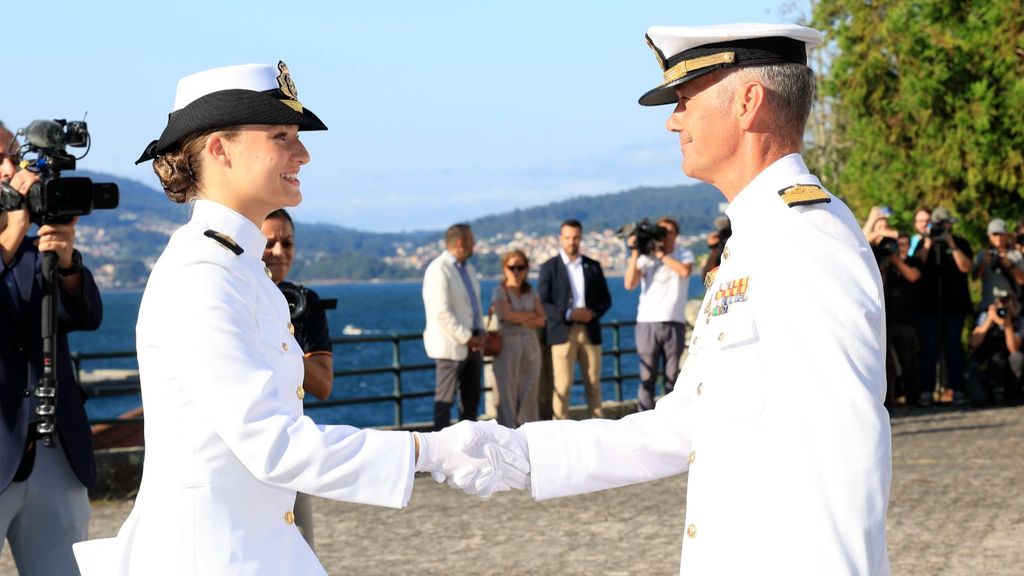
x=777, y=414
x=227, y=446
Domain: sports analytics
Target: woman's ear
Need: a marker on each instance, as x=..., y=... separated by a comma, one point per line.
x=217, y=149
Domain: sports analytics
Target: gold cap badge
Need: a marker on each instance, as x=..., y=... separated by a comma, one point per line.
x=287, y=87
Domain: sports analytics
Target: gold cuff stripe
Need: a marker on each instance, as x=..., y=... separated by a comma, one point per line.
x=686, y=66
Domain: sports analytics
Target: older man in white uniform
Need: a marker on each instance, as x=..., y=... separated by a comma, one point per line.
x=777, y=413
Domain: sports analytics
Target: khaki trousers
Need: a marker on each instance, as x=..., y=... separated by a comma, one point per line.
x=563, y=360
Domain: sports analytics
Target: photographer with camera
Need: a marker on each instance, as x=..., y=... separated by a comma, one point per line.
x=309, y=321
x=996, y=357
x=44, y=501
x=943, y=303
x=716, y=243
x=662, y=270
x=1001, y=266
x=899, y=274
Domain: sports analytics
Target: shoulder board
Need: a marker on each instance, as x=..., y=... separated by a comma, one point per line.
x=803, y=195
x=225, y=241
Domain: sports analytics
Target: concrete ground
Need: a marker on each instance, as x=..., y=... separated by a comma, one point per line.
x=957, y=508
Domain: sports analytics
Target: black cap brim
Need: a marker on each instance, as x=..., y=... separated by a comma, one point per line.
x=229, y=108
x=744, y=52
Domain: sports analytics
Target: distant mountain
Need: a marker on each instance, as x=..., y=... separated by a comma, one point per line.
x=693, y=206
x=121, y=245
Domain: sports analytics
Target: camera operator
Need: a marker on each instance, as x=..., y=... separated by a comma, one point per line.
x=943, y=303
x=311, y=332
x=899, y=274
x=1001, y=267
x=716, y=243
x=663, y=277
x=996, y=357
x=44, y=501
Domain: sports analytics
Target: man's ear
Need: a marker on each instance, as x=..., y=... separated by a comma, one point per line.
x=750, y=105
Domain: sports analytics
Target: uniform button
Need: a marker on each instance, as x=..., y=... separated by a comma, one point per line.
x=725, y=253
x=691, y=531
x=693, y=456
x=291, y=329
x=289, y=517
x=721, y=336
x=284, y=346
x=300, y=392
x=700, y=388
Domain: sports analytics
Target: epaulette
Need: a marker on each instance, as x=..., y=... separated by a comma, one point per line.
x=224, y=240
x=803, y=195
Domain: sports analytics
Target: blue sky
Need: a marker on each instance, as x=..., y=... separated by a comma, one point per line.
x=438, y=111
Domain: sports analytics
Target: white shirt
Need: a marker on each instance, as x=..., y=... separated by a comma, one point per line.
x=663, y=292
x=576, y=280
x=777, y=413
x=227, y=445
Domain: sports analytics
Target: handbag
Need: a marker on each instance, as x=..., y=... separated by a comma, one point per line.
x=492, y=346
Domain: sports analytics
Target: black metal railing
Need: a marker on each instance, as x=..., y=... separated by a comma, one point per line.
x=106, y=388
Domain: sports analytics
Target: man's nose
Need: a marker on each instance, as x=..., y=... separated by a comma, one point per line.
x=675, y=119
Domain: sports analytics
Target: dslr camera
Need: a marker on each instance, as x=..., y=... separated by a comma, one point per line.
x=56, y=200
x=298, y=301
x=647, y=235
x=886, y=248
x=938, y=229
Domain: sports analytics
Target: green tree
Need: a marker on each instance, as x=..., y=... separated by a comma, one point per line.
x=924, y=103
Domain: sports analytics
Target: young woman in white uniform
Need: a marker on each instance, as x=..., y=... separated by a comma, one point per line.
x=227, y=445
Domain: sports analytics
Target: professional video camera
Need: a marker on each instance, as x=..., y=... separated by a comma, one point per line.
x=56, y=200
x=298, y=302
x=647, y=235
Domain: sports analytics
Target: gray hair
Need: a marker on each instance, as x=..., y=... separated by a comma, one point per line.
x=790, y=94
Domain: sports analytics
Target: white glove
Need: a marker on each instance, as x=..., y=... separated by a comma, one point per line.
x=468, y=456
x=508, y=453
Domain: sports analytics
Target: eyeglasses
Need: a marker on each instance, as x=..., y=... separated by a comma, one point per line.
x=517, y=267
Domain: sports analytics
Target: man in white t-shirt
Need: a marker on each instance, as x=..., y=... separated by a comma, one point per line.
x=664, y=279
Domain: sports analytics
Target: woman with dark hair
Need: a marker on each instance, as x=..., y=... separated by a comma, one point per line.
x=517, y=368
x=227, y=445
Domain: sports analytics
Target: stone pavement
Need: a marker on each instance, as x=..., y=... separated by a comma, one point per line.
x=957, y=508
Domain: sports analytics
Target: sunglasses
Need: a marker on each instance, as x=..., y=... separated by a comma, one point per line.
x=517, y=267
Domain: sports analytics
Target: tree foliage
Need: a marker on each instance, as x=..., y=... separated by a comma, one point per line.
x=926, y=106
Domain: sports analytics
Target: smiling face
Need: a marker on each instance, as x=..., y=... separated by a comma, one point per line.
x=280, y=250
x=708, y=132
x=264, y=163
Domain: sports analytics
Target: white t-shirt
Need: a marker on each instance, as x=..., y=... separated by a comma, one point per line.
x=663, y=292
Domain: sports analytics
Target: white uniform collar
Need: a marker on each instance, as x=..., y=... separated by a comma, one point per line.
x=764, y=188
x=211, y=215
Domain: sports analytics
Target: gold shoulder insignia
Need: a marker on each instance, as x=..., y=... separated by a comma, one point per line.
x=803, y=195
x=224, y=240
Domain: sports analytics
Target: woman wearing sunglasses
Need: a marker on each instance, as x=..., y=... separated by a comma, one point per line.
x=517, y=368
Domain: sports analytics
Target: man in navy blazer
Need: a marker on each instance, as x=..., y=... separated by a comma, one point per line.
x=44, y=501
x=575, y=296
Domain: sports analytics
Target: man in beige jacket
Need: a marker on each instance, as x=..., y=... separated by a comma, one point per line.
x=454, y=334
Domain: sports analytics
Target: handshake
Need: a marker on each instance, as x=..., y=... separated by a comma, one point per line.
x=477, y=457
